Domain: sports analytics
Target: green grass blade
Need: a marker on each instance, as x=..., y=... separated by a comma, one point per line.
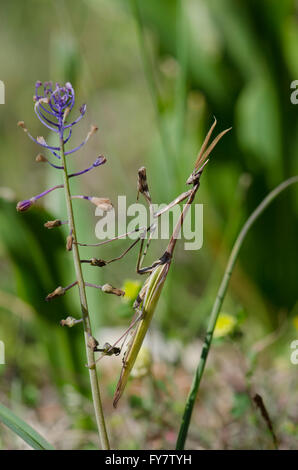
x=23, y=430
x=217, y=307
x=149, y=74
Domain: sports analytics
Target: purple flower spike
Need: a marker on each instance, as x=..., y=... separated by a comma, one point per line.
x=53, y=105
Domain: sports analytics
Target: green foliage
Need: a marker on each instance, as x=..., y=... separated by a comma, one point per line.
x=231, y=61
x=241, y=405
x=230, y=58
x=22, y=429
x=35, y=253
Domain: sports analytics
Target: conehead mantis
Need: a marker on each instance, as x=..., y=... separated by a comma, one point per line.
x=149, y=294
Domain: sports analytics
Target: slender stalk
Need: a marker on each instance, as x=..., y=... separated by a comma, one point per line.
x=217, y=307
x=85, y=313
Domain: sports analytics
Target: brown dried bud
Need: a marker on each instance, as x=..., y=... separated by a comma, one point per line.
x=41, y=158
x=41, y=140
x=70, y=322
x=97, y=262
x=45, y=100
x=53, y=223
x=69, y=242
x=92, y=131
x=66, y=113
x=57, y=293
x=92, y=343
x=22, y=125
x=103, y=203
x=108, y=289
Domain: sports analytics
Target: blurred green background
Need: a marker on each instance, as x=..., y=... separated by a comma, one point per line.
x=152, y=84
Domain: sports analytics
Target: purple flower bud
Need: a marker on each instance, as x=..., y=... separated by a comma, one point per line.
x=23, y=206
x=83, y=109
x=99, y=161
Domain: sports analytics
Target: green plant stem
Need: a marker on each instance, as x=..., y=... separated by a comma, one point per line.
x=85, y=312
x=217, y=307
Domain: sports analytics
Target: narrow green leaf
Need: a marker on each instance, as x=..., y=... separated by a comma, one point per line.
x=193, y=393
x=22, y=429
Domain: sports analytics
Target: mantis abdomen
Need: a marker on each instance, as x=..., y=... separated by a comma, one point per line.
x=153, y=291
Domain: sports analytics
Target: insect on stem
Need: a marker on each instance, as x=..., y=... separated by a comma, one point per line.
x=149, y=295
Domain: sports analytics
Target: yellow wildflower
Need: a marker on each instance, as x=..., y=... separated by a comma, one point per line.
x=131, y=289
x=225, y=325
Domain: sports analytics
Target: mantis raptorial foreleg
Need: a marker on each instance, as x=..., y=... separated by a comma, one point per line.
x=118, y=237
x=164, y=260
x=142, y=188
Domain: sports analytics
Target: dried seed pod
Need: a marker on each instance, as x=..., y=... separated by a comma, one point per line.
x=103, y=203
x=22, y=125
x=41, y=158
x=41, y=140
x=56, y=293
x=70, y=322
x=108, y=289
x=69, y=243
x=53, y=223
x=92, y=131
